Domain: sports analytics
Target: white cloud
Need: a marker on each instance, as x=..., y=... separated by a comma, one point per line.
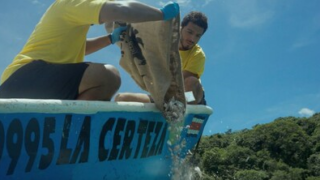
x=302, y=43
x=308, y=34
x=289, y=107
x=250, y=13
x=35, y=2
x=38, y=3
x=306, y=112
x=183, y=2
x=250, y=20
x=206, y=2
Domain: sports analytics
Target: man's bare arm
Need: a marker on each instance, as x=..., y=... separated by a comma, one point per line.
x=129, y=11
x=187, y=74
x=95, y=44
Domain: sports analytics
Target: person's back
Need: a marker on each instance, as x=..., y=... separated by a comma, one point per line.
x=59, y=37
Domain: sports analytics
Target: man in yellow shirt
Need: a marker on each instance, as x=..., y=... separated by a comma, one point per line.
x=193, y=26
x=51, y=64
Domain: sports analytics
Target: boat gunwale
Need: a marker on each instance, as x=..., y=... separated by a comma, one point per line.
x=85, y=107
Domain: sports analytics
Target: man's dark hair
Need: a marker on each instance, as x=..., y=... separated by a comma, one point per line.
x=197, y=18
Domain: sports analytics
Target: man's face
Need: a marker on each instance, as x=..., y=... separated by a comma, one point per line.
x=190, y=36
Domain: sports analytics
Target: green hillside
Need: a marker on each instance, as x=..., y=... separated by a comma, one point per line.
x=285, y=149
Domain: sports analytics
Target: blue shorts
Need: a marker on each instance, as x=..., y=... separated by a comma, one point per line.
x=203, y=100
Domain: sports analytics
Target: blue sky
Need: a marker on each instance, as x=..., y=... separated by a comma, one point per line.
x=263, y=57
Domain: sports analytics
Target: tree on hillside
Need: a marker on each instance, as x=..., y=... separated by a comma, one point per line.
x=287, y=148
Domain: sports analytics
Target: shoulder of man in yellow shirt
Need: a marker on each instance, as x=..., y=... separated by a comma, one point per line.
x=193, y=60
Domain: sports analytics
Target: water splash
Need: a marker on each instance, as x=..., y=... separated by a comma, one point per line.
x=181, y=168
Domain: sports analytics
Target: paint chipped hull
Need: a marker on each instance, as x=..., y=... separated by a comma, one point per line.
x=54, y=139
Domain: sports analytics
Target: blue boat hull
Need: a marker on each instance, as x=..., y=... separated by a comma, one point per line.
x=53, y=139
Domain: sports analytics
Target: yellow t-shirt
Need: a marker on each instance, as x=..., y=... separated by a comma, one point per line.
x=60, y=36
x=193, y=60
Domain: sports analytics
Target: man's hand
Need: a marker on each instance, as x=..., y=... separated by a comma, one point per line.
x=115, y=35
x=170, y=10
